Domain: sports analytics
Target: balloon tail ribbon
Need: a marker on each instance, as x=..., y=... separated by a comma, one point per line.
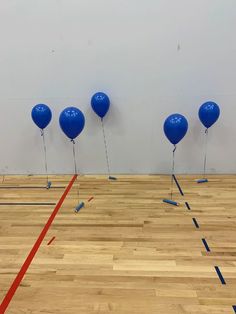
x=48, y=183
x=106, y=150
x=172, y=172
x=75, y=169
x=205, y=156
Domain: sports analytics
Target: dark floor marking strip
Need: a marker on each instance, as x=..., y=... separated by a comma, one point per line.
x=195, y=222
x=52, y=239
x=90, y=199
x=8, y=297
x=25, y=204
x=187, y=205
x=177, y=183
x=206, y=245
x=220, y=275
x=234, y=308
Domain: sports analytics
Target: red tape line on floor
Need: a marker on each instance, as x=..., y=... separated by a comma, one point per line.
x=8, y=297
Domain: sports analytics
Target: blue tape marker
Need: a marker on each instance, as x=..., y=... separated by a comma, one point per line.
x=48, y=185
x=187, y=205
x=112, y=178
x=177, y=183
x=170, y=202
x=234, y=308
x=220, y=275
x=202, y=180
x=206, y=245
x=195, y=222
x=78, y=207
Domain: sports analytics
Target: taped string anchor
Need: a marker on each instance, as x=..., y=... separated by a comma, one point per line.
x=78, y=207
x=202, y=180
x=48, y=185
x=170, y=202
x=112, y=178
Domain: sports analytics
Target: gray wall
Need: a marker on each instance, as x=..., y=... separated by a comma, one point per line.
x=152, y=58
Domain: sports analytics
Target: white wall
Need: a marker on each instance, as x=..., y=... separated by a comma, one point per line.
x=152, y=58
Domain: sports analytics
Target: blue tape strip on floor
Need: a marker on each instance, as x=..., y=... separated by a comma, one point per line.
x=177, y=183
x=170, y=202
x=206, y=245
x=220, y=275
x=187, y=205
x=195, y=222
x=234, y=308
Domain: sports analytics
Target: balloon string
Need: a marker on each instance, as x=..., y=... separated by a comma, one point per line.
x=172, y=172
x=75, y=166
x=205, y=156
x=74, y=158
x=106, y=150
x=45, y=155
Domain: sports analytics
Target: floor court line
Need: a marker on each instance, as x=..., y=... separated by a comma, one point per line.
x=220, y=275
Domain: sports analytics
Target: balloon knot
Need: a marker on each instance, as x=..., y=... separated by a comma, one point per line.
x=206, y=131
x=72, y=140
x=174, y=148
x=41, y=132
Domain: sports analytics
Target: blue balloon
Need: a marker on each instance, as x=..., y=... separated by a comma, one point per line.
x=175, y=128
x=209, y=113
x=100, y=103
x=72, y=122
x=41, y=115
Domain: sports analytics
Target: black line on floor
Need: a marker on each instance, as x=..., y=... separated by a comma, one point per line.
x=220, y=275
x=206, y=245
x=177, y=183
x=195, y=223
x=234, y=308
x=187, y=205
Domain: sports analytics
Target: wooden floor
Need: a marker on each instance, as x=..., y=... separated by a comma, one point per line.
x=126, y=251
